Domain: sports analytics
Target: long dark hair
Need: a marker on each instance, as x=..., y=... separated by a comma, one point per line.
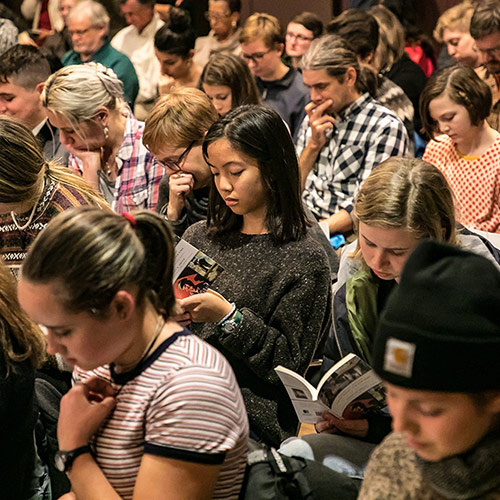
x=177, y=36
x=259, y=132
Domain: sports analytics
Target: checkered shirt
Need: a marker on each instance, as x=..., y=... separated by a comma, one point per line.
x=364, y=135
x=139, y=175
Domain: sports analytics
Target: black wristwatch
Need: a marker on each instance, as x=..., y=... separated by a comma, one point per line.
x=64, y=459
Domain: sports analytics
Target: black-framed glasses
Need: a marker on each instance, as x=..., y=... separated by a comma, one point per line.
x=216, y=16
x=255, y=57
x=299, y=38
x=175, y=165
x=80, y=32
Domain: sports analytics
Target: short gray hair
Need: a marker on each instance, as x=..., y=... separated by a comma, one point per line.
x=77, y=92
x=94, y=11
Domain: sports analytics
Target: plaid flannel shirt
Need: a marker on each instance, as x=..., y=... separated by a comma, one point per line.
x=364, y=135
x=138, y=180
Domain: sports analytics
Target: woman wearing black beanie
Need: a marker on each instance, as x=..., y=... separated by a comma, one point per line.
x=437, y=349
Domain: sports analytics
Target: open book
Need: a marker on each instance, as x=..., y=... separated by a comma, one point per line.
x=349, y=389
x=194, y=271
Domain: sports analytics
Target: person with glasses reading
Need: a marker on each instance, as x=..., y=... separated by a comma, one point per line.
x=224, y=36
x=88, y=26
x=485, y=29
x=300, y=32
x=174, y=132
x=262, y=44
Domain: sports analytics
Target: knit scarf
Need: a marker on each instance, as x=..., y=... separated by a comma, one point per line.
x=469, y=475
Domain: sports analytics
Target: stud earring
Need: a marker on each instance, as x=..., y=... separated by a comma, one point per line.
x=106, y=132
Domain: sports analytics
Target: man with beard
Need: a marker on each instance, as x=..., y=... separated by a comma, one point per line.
x=485, y=29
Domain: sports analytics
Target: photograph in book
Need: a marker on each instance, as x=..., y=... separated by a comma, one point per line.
x=350, y=389
x=194, y=271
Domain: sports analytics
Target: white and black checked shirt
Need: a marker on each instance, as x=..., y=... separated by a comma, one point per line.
x=364, y=135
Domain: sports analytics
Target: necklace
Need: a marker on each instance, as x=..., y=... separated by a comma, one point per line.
x=32, y=214
x=159, y=328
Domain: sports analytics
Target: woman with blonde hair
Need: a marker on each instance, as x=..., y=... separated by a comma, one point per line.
x=32, y=191
x=452, y=29
x=85, y=102
x=174, y=134
x=22, y=349
x=403, y=202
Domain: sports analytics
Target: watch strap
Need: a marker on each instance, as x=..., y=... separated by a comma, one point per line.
x=65, y=459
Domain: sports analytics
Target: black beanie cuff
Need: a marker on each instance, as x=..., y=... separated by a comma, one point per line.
x=410, y=357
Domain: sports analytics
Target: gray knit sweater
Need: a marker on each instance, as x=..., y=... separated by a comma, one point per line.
x=284, y=294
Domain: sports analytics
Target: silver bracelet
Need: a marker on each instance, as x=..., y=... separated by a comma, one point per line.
x=228, y=315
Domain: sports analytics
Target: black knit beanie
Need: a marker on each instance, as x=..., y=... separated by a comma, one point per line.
x=440, y=330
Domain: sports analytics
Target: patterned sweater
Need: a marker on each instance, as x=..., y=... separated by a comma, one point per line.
x=475, y=182
x=15, y=242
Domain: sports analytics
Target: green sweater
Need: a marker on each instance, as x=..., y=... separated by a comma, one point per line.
x=117, y=61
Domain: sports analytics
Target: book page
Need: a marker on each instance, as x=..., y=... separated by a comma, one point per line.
x=351, y=393
x=194, y=271
x=184, y=252
x=302, y=394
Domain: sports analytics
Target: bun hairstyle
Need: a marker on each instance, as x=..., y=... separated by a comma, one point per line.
x=90, y=255
x=176, y=37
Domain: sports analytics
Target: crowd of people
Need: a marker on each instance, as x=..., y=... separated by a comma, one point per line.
x=126, y=128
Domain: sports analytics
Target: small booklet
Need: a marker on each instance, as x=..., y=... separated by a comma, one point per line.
x=194, y=271
x=349, y=389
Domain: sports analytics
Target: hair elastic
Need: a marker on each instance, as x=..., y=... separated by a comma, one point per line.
x=130, y=218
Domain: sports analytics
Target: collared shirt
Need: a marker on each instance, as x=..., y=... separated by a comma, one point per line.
x=139, y=174
x=111, y=58
x=364, y=135
x=139, y=47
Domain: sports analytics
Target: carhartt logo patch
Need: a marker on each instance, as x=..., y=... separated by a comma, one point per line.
x=399, y=357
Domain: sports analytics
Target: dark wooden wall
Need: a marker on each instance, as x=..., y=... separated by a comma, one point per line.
x=284, y=10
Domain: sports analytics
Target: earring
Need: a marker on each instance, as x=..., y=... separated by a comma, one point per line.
x=106, y=132
x=234, y=24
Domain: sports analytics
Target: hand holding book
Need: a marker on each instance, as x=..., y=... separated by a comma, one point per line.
x=352, y=427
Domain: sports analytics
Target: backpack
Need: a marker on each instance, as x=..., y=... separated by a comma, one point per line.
x=273, y=476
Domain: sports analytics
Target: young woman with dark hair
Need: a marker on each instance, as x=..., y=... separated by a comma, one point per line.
x=272, y=303
x=456, y=103
x=228, y=83
x=154, y=409
x=174, y=48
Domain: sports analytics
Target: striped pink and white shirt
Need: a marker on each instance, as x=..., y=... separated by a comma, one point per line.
x=182, y=402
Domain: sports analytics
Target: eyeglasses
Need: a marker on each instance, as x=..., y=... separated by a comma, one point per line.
x=175, y=165
x=216, y=16
x=80, y=32
x=299, y=38
x=257, y=56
